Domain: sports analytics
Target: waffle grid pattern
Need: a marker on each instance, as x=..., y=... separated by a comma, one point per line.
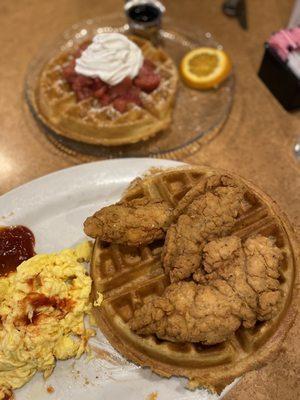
x=105, y=125
x=143, y=276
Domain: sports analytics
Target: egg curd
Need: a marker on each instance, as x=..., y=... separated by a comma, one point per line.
x=42, y=309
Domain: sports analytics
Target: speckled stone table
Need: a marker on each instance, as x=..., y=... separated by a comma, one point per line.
x=256, y=140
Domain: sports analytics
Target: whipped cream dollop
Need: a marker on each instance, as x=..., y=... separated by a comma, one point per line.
x=110, y=57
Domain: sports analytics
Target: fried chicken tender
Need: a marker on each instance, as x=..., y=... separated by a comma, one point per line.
x=239, y=285
x=134, y=223
x=208, y=210
x=250, y=269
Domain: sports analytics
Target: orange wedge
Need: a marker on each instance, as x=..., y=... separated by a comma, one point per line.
x=205, y=67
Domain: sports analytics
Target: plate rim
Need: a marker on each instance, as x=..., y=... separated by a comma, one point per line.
x=63, y=171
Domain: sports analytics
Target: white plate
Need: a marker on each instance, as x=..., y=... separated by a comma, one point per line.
x=54, y=207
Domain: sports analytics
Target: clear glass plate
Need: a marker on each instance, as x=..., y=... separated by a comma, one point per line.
x=197, y=116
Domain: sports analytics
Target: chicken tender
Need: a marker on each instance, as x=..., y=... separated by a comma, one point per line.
x=187, y=312
x=250, y=269
x=209, y=211
x=134, y=223
x=238, y=285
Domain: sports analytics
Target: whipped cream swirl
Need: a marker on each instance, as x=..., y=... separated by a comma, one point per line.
x=110, y=57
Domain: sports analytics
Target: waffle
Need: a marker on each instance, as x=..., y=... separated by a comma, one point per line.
x=88, y=121
x=127, y=276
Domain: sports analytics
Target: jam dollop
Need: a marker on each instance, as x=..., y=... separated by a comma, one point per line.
x=16, y=245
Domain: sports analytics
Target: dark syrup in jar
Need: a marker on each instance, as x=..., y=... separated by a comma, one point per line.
x=16, y=245
x=144, y=13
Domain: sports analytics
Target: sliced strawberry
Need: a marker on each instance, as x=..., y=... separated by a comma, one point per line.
x=83, y=93
x=127, y=91
x=144, y=71
x=147, y=83
x=120, y=104
x=81, y=82
x=147, y=68
x=100, y=92
x=105, y=100
x=98, y=84
x=133, y=96
x=121, y=88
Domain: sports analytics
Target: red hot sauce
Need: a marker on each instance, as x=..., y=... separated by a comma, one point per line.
x=16, y=245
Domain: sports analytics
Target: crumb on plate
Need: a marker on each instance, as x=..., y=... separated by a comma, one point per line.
x=50, y=389
x=152, y=396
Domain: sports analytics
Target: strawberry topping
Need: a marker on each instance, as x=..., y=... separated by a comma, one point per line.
x=126, y=92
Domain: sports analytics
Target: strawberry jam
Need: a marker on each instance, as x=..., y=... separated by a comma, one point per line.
x=16, y=245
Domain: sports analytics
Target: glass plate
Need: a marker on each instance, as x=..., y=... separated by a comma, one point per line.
x=197, y=115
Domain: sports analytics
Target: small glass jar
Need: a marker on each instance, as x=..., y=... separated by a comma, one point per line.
x=145, y=17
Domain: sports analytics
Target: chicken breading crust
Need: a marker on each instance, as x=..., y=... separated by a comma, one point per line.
x=239, y=285
x=134, y=223
x=207, y=211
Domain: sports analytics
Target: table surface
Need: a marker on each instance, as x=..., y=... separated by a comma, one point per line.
x=256, y=140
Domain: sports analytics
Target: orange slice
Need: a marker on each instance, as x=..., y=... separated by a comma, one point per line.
x=205, y=67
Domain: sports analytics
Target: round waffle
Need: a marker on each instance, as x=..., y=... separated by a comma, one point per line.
x=126, y=276
x=88, y=121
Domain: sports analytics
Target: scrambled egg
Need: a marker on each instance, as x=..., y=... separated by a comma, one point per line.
x=42, y=308
x=98, y=301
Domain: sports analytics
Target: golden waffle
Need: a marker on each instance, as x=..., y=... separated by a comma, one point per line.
x=126, y=276
x=88, y=121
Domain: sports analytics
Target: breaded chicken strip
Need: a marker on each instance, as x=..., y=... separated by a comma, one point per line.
x=251, y=270
x=208, y=210
x=134, y=223
x=239, y=284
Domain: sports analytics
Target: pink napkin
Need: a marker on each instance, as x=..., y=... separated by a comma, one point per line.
x=285, y=42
